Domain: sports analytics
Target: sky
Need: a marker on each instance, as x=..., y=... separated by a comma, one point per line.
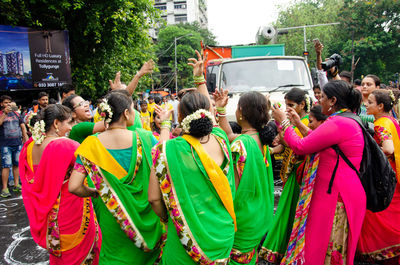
x=237, y=21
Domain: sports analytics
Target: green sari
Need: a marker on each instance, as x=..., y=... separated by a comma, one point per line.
x=132, y=232
x=276, y=242
x=254, y=200
x=201, y=230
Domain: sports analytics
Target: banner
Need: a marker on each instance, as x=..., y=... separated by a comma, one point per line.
x=33, y=59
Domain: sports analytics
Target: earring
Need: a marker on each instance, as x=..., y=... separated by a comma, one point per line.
x=57, y=130
x=240, y=117
x=330, y=108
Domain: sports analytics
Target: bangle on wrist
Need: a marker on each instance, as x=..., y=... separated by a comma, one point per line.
x=199, y=79
x=166, y=124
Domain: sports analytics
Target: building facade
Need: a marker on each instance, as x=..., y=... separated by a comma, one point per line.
x=182, y=11
x=15, y=63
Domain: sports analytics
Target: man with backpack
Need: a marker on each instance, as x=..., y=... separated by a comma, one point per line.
x=12, y=134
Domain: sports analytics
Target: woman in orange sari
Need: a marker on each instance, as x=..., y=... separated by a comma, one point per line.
x=380, y=234
x=61, y=222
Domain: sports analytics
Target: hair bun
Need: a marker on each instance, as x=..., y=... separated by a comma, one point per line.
x=201, y=127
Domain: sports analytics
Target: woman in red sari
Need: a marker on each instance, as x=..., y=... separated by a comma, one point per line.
x=380, y=234
x=61, y=222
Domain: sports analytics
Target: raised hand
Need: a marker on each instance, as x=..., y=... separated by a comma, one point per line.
x=293, y=116
x=117, y=82
x=220, y=98
x=318, y=47
x=198, y=64
x=278, y=114
x=163, y=113
x=147, y=68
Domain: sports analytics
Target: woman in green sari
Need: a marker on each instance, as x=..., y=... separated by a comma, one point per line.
x=192, y=188
x=254, y=200
x=275, y=244
x=118, y=163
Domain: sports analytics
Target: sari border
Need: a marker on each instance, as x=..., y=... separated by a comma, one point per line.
x=269, y=255
x=116, y=208
x=380, y=254
x=194, y=251
x=140, y=237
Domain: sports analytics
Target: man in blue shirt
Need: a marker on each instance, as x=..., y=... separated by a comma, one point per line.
x=12, y=133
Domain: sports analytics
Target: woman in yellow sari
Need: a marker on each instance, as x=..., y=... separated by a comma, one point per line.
x=118, y=163
x=380, y=234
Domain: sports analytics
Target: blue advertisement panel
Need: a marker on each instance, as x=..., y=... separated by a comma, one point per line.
x=33, y=59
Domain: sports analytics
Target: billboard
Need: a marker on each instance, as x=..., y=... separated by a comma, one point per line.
x=33, y=59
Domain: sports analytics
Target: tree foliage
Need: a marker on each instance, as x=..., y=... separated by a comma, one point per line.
x=190, y=35
x=309, y=12
x=105, y=35
x=374, y=25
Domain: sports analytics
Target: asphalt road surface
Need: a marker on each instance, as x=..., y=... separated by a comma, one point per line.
x=17, y=246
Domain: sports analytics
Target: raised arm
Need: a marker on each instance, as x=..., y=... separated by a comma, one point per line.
x=198, y=66
x=326, y=135
x=164, y=115
x=296, y=121
x=147, y=68
x=221, y=100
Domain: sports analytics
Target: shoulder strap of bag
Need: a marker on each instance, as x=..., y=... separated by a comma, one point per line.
x=348, y=162
x=340, y=152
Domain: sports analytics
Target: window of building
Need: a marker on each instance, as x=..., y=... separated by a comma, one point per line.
x=180, y=6
x=161, y=7
x=179, y=19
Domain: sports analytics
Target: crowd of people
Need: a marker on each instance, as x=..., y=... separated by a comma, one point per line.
x=172, y=181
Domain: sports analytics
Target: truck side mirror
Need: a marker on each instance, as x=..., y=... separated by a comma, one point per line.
x=211, y=82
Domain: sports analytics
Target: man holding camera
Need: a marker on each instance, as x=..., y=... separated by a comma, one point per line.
x=12, y=134
x=332, y=64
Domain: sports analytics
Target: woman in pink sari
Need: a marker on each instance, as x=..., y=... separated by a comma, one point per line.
x=327, y=225
x=380, y=234
x=61, y=222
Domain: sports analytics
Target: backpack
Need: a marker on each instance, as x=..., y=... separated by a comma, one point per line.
x=376, y=174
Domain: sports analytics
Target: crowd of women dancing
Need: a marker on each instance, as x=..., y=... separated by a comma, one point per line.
x=120, y=196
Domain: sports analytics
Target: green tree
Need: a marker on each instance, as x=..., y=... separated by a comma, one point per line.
x=309, y=12
x=374, y=25
x=375, y=28
x=185, y=49
x=105, y=35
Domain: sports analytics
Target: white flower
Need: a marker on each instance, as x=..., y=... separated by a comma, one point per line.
x=104, y=107
x=308, y=103
x=201, y=113
x=391, y=95
x=38, y=132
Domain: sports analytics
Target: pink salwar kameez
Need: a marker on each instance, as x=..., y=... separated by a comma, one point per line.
x=346, y=189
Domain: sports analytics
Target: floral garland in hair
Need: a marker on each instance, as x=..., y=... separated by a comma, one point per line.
x=38, y=132
x=308, y=103
x=29, y=118
x=391, y=95
x=105, y=107
x=201, y=113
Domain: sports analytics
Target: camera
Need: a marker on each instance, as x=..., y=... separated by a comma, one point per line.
x=334, y=60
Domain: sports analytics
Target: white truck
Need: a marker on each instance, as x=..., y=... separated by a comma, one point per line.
x=273, y=75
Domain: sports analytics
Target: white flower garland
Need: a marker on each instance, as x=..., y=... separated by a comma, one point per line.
x=104, y=107
x=391, y=95
x=29, y=118
x=308, y=103
x=201, y=113
x=38, y=132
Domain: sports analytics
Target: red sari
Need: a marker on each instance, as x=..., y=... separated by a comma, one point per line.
x=61, y=222
x=380, y=235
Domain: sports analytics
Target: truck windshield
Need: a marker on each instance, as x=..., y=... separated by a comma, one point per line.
x=264, y=75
